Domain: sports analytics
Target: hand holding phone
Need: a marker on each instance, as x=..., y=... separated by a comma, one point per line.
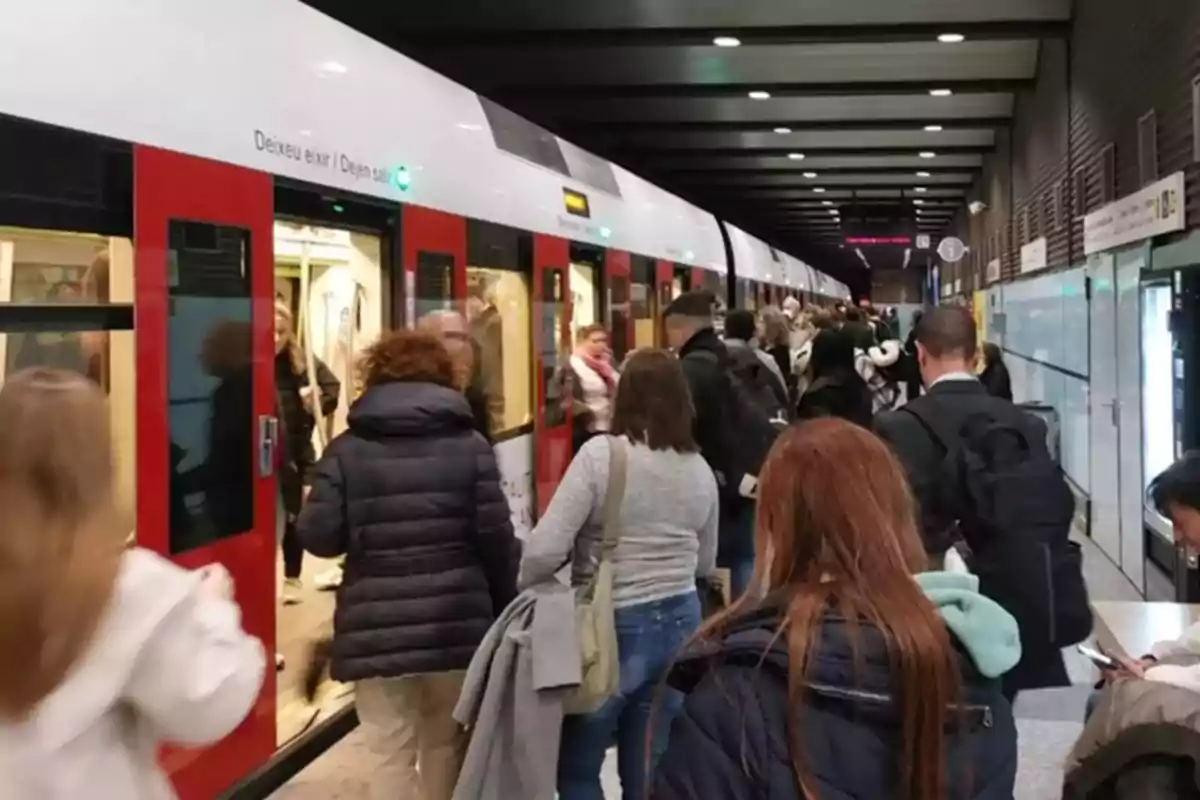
x=1113, y=666
x=1098, y=657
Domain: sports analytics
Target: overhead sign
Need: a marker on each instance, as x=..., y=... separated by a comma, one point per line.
x=951, y=249
x=924, y=241
x=1155, y=210
x=993, y=270
x=1035, y=255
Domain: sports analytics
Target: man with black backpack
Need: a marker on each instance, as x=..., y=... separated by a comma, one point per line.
x=983, y=477
x=756, y=368
x=734, y=434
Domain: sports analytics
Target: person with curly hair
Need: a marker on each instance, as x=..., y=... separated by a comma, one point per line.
x=410, y=494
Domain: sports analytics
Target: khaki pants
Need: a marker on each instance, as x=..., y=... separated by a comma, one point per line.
x=407, y=723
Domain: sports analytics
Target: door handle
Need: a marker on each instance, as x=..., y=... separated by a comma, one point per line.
x=268, y=441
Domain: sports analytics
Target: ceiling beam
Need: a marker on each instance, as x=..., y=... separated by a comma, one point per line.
x=822, y=172
x=407, y=38
x=958, y=189
x=948, y=122
x=822, y=152
x=502, y=92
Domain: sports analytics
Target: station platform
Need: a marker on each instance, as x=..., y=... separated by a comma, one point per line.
x=1048, y=721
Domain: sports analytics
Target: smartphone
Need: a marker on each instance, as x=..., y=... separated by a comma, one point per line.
x=1100, y=659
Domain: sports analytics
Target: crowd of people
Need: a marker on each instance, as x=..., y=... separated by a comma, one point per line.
x=888, y=577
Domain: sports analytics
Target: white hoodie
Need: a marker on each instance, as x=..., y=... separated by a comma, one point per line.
x=169, y=663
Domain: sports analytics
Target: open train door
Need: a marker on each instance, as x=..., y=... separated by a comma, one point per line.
x=620, y=316
x=205, y=407
x=551, y=348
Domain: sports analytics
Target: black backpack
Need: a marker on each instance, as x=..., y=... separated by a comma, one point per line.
x=1012, y=506
x=748, y=431
x=761, y=386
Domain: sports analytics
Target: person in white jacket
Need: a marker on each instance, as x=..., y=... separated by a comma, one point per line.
x=1175, y=493
x=106, y=651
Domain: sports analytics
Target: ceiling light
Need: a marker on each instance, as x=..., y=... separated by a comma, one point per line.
x=920, y=189
x=918, y=202
x=759, y=95
x=934, y=128
x=941, y=92
x=923, y=174
x=796, y=156
x=810, y=175
x=783, y=131
x=826, y=202
x=819, y=190
x=727, y=41
x=952, y=38
x=834, y=211
x=928, y=154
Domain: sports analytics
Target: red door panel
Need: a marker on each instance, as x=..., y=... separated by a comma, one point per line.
x=201, y=321
x=551, y=345
x=620, y=316
x=664, y=281
x=697, y=279
x=434, y=247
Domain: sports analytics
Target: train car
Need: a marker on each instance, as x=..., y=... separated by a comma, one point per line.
x=170, y=177
x=765, y=276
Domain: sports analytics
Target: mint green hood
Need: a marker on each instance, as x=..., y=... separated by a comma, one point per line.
x=987, y=632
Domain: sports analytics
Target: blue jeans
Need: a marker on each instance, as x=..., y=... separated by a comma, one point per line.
x=735, y=547
x=649, y=637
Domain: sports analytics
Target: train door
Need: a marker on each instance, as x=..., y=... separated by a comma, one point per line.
x=643, y=298
x=664, y=283
x=620, y=316
x=206, y=433
x=434, y=254
x=551, y=346
x=332, y=260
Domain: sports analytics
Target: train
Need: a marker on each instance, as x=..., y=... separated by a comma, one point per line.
x=170, y=173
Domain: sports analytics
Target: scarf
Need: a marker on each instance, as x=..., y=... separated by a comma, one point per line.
x=603, y=369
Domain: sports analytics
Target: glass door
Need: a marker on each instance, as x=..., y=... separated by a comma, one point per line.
x=206, y=406
x=1157, y=387
x=620, y=319
x=552, y=347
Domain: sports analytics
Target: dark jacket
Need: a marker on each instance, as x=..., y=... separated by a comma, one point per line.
x=923, y=460
x=996, y=380
x=297, y=423
x=410, y=493
x=845, y=396
x=707, y=379
x=730, y=741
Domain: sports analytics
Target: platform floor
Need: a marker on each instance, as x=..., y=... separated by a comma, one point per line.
x=1048, y=723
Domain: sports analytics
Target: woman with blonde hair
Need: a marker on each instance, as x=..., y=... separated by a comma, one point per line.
x=295, y=395
x=852, y=671
x=106, y=652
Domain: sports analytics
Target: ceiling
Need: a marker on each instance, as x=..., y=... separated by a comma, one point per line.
x=851, y=124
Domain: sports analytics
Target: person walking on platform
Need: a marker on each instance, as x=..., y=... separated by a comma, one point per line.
x=757, y=367
x=410, y=494
x=983, y=476
x=859, y=673
x=666, y=539
x=109, y=650
x=995, y=377
x=452, y=328
x=836, y=389
x=732, y=432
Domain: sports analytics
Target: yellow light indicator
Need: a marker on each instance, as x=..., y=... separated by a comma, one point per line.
x=576, y=203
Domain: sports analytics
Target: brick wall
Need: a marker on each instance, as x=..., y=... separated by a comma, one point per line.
x=1074, y=143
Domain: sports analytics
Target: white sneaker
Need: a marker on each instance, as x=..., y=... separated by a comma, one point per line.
x=328, y=581
x=293, y=591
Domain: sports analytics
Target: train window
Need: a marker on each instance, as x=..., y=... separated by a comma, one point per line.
x=210, y=411
x=342, y=312
x=643, y=302
x=499, y=316
x=585, y=298
x=434, y=287
x=550, y=318
x=618, y=336
x=65, y=302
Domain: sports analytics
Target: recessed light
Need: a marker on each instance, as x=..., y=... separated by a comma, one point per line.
x=759, y=95
x=922, y=174
x=819, y=190
x=952, y=38
x=934, y=128
x=941, y=92
x=783, y=131
x=727, y=41
x=834, y=211
x=918, y=202
x=928, y=154
x=810, y=175
x=920, y=189
x=826, y=202
x=796, y=156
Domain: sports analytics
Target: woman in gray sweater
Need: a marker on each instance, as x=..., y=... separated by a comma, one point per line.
x=668, y=538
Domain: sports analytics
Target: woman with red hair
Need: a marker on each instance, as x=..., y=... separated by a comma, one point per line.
x=848, y=670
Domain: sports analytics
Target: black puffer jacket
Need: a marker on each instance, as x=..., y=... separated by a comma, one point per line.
x=410, y=493
x=731, y=738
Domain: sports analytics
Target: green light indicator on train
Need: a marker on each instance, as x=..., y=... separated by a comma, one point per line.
x=605, y=233
x=402, y=178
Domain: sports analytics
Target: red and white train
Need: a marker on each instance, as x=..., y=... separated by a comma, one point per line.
x=170, y=171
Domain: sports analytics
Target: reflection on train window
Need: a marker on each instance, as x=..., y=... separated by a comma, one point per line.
x=550, y=318
x=434, y=287
x=619, y=303
x=210, y=414
x=53, y=268
x=342, y=315
x=499, y=316
x=585, y=298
